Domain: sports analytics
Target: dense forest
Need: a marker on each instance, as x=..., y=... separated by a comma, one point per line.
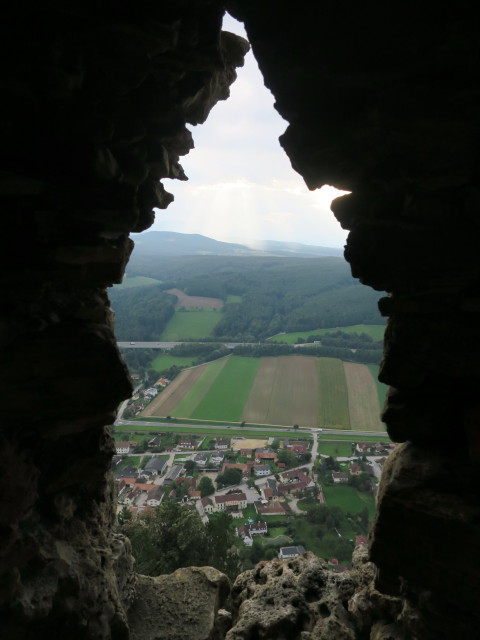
x=141, y=313
x=277, y=294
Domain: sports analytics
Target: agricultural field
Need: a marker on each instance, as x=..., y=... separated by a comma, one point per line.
x=197, y=391
x=375, y=331
x=333, y=401
x=136, y=281
x=194, y=302
x=194, y=324
x=363, y=401
x=283, y=391
x=381, y=388
x=228, y=394
x=235, y=299
x=167, y=400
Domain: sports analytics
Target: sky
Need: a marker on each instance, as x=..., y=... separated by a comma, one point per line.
x=241, y=185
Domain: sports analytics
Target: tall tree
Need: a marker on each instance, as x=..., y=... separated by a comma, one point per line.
x=205, y=486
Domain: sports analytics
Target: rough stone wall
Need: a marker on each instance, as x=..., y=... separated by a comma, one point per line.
x=95, y=99
x=383, y=100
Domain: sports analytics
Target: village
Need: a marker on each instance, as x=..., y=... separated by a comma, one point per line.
x=264, y=484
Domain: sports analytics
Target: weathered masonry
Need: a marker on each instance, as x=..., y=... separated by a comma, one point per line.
x=382, y=101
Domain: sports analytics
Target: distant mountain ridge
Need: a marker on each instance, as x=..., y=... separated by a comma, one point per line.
x=171, y=243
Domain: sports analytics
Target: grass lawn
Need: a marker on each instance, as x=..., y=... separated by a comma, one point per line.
x=136, y=281
x=232, y=298
x=276, y=531
x=349, y=499
x=207, y=444
x=373, y=330
x=277, y=541
x=249, y=512
x=335, y=449
x=353, y=437
x=132, y=461
x=164, y=362
x=229, y=392
x=191, y=324
x=123, y=437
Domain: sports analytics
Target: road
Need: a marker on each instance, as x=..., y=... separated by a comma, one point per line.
x=141, y=423
x=170, y=345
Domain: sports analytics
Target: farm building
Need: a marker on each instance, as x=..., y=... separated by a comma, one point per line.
x=173, y=474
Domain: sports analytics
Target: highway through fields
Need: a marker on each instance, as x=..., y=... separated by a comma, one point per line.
x=170, y=345
x=299, y=432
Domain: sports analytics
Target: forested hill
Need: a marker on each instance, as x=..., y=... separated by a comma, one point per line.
x=272, y=295
x=170, y=243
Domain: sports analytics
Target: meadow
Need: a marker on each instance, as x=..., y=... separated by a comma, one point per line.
x=349, y=499
x=194, y=324
x=164, y=361
x=373, y=330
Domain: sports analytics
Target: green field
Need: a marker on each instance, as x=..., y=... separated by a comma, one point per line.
x=373, y=330
x=232, y=298
x=197, y=391
x=349, y=499
x=191, y=324
x=283, y=391
x=136, y=281
x=381, y=388
x=164, y=362
x=335, y=449
x=229, y=392
x=333, y=394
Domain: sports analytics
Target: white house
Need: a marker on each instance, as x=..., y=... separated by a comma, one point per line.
x=217, y=458
x=201, y=459
x=286, y=553
x=262, y=470
x=155, y=497
x=207, y=505
x=339, y=477
x=122, y=447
